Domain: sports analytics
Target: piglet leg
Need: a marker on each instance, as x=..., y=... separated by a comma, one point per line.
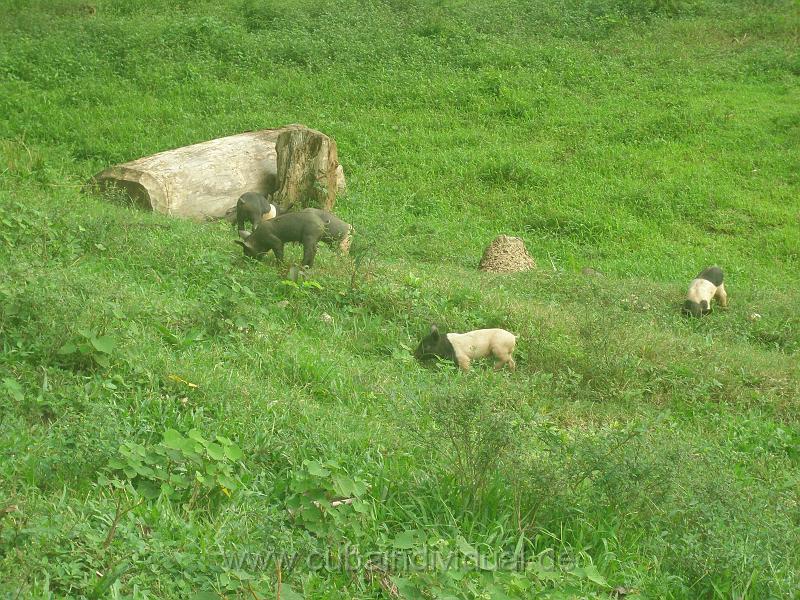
x=278, y=249
x=505, y=359
x=309, y=251
x=722, y=296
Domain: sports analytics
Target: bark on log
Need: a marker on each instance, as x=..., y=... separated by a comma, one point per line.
x=203, y=181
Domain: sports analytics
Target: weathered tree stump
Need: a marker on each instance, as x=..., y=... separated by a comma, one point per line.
x=203, y=181
x=308, y=166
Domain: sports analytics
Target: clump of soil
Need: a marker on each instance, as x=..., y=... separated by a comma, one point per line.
x=506, y=254
x=590, y=272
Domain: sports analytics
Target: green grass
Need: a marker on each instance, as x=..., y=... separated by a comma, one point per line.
x=631, y=448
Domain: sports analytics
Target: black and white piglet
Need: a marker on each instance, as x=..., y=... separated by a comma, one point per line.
x=463, y=348
x=707, y=285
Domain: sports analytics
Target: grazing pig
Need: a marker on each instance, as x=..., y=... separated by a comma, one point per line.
x=253, y=207
x=707, y=285
x=336, y=230
x=307, y=227
x=462, y=348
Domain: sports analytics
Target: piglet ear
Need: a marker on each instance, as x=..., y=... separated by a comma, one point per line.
x=434, y=331
x=240, y=242
x=243, y=234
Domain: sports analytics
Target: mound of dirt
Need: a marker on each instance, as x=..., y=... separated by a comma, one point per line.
x=506, y=254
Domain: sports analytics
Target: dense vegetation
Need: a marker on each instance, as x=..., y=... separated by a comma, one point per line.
x=175, y=420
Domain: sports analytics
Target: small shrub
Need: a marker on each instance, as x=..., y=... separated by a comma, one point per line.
x=326, y=500
x=19, y=224
x=186, y=468
x=472, y=430
x=88, y=349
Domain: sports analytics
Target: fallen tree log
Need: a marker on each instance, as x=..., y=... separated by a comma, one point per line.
x=203, y=181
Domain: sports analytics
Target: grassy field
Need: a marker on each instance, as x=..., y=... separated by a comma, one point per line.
x=175, y=419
